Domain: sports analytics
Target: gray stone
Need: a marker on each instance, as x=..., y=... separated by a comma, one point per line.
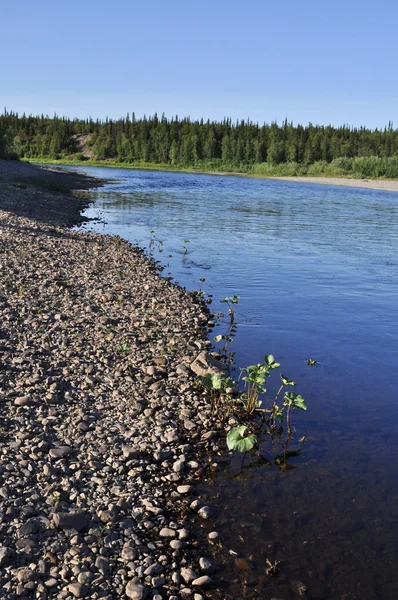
x=129, y=452
x=167, y=533
x=205, y=565
x=205, y=363
x=136, y=591
x=79, y=590
x=154, y=569
x=102, y=565
x=60, y=451
x=188, y=574
x=22, y=400
x=184, y=489
x=71, y=520
x=204, y=581
x=204, y=512
x=31, y=526
x=158, y=581
x=179, y=466
x=128, y=553
x=6, y=556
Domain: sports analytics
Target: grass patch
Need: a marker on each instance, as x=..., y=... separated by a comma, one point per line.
x=372, y=167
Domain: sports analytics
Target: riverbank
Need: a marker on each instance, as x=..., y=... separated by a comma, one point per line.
x=104, y=428
x=46, y=194
x=390, y=185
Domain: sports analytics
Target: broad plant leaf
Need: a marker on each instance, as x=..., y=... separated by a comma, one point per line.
x=300, y=404
x=237, y=441
x=286, y=380
x=212, y=381
x=294, y=400
x=269, y=360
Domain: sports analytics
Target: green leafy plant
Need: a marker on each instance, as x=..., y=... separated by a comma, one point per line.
x=292, y=400
x=230, y=333
x=255, y=378
x=311, y=362
x=221, y=389
x=184, y=248
x=231, y=301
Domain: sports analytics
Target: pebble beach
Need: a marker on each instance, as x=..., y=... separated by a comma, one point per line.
x=104, y=426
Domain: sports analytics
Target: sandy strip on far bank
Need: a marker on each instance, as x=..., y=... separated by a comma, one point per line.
x=374, y=184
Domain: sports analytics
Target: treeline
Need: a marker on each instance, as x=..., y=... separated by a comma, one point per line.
x=225, y=146
x=6, y=141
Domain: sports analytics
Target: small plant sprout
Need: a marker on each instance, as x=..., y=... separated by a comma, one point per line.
x=202, y=280
x=311, y=362
x=123, y=348
x=55, y=497
x=184, y=248
x=272, y=569
x=292, y=400
x=102, y=530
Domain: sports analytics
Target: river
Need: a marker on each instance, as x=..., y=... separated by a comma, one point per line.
x=316, y=271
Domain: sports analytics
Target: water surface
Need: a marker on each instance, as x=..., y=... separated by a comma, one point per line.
x=316, y=269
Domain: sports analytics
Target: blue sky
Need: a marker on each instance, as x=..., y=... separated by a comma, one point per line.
x=307, y=60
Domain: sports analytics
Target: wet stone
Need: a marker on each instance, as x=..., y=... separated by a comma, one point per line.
x=6, y=556
x=204, y=581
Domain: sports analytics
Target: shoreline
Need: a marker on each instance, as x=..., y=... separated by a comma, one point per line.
x=104, y=427
x=48, y=195
x=389, y=185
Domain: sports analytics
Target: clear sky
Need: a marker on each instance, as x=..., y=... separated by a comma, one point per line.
x=307, y=60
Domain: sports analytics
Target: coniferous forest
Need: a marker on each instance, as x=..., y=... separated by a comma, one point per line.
x=243, y=146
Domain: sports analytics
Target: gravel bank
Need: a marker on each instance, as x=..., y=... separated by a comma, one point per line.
x=44, y=194
x=103, y=427
x=388, y=185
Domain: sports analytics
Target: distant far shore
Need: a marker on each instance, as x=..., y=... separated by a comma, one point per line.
x=389, y=185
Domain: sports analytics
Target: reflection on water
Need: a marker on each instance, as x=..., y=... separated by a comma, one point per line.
x=316, y=269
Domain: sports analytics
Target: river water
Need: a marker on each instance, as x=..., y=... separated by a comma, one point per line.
x=316, y=271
